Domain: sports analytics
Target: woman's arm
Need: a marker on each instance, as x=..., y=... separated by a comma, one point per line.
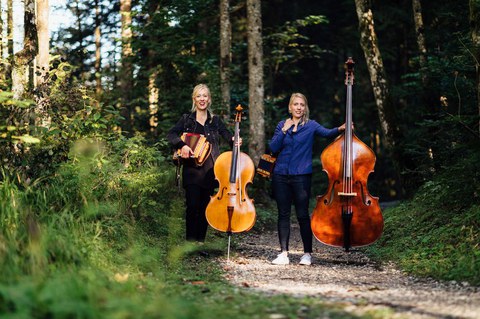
x=326, y=132
x=174, y=133
x=277, y=139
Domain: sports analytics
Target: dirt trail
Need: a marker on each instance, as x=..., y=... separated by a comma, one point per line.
x=349, y=278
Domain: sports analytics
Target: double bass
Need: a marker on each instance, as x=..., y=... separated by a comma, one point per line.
x=231, y=210
x=347, y=215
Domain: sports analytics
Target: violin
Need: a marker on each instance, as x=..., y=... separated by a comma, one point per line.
x=347, y=215
x=231, y=210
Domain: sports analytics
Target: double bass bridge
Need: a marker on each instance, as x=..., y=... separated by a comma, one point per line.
x=352, y=194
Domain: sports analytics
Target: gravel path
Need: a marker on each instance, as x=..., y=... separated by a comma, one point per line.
x=346, y=277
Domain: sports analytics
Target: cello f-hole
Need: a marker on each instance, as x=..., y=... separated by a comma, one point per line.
x=221, y=193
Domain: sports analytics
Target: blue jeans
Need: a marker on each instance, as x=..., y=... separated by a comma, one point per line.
x=288, y=190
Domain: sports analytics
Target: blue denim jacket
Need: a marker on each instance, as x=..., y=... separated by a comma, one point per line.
x=295, y=149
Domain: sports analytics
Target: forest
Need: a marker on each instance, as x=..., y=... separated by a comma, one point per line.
x=87, y=184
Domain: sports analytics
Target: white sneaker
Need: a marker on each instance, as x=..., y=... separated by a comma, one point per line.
x=282, y=259
x=306, y=260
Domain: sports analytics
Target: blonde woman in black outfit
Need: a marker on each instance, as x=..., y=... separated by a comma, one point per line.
x=199, y=182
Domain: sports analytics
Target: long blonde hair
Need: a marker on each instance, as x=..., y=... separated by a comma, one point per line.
x=306, y=115
x=197, y=89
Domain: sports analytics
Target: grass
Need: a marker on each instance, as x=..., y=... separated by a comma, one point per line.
x=100, y=242
x=101, y=239
x=443, y=246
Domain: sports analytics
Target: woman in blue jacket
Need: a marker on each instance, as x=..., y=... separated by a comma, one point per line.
x=292, y=176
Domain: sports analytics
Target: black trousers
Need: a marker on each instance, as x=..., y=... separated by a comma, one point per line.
x=197, y=199
x=288, y=190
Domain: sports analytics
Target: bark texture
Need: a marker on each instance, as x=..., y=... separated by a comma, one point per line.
x=419, y=31
x=378, y=79
x=225, y=55
x=256, y=145
x=42, y=67
x=126, y=74
x=98, y=49
x=475, y=30
x=22, y=58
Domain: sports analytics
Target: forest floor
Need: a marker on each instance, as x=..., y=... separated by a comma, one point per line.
x=349, y=279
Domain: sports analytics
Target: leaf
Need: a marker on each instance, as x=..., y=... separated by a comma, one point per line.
x=28, y=139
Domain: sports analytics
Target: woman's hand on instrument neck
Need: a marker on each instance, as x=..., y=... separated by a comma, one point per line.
x=342, y=128
x=240, y=141
x=186, y=151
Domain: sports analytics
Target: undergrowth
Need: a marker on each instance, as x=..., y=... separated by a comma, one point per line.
x=103, y=237
x=437, y=233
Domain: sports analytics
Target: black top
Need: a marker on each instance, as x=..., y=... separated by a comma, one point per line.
x=202, y=176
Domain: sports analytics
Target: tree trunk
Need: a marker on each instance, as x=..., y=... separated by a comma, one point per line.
x=386, y=111
x=153, y=94
x=154, y=71
x=22, y=58
x=378, y=79
x=256, y=145
x=2, y=63
x=225, y=55
x=1, y=32
x=10, y=27
x=475, y=29
x=126, y=73
x=43, y=56
x=42, y=65
x=419, y=31
x=98, y=49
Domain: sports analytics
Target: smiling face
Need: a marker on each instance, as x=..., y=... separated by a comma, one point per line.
x=297, y=108
x=201, y=99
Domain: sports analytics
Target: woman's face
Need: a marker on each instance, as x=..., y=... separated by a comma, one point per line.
x=202, y=99
x=297, y=108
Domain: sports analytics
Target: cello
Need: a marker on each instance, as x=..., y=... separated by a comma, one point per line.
x=347, y=215
x=231, y=210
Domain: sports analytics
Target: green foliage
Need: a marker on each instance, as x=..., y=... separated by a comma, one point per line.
x=30, y=150
x=288, y=44
x=437, y=233
x=103, y=238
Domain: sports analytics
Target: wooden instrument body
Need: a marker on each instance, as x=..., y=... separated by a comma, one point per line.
x=232, y=195
x=367, y=220
x=231, y=210
x=347, y=215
